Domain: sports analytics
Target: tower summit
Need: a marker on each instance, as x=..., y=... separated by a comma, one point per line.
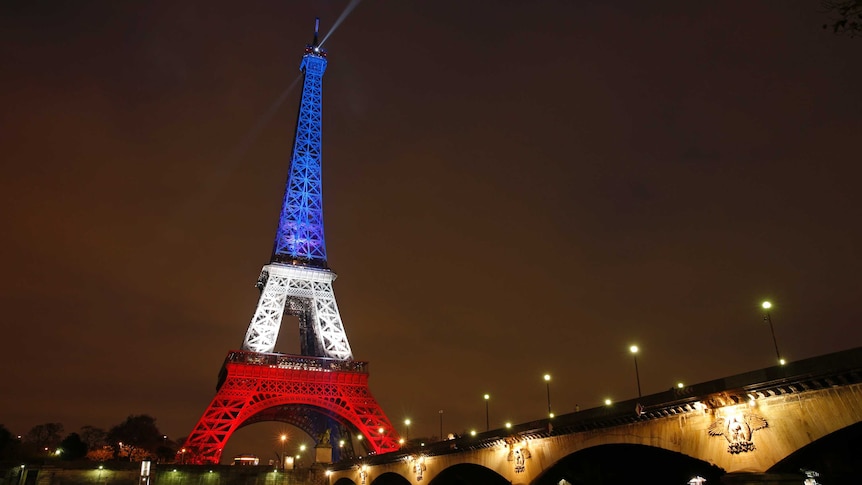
x=299, y=238
x=323, y=391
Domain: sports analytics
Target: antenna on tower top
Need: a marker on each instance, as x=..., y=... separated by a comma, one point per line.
x=316, y=27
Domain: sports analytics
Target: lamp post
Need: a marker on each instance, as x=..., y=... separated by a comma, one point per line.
x=548, y=387
x=768, y=318
x=634, y=350
x=487, y=421
x=407, y=429
x=441, y=425
x=301, y=451
x=283, y=440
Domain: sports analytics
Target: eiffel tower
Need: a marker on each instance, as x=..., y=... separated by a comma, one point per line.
x=323, y=391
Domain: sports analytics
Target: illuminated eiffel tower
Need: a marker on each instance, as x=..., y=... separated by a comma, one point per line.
x=323, y=391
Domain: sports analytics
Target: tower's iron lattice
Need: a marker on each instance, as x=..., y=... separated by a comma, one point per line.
x=323, y=391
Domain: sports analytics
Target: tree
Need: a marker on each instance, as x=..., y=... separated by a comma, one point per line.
x=73, y=448
x=103, y=453
x=93, y=437
x=138, y=435
x=849, y=16
x=44, y=436
x=8, y=444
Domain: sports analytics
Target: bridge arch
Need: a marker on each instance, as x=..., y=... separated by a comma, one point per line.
x=626, y=463
x=835, y=456
x=390, y=478
x=468, y=474
x=344, y=481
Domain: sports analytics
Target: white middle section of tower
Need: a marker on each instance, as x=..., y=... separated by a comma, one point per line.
x=313, y=284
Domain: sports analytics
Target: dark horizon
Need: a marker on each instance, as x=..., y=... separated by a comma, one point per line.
x=509, y=191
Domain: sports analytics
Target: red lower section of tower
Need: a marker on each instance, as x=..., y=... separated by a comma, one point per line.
x=252, y=383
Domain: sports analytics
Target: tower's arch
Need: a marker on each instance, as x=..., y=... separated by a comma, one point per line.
x=309, y=419
x=267, y=387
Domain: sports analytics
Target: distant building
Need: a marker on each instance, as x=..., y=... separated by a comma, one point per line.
x=245, y=460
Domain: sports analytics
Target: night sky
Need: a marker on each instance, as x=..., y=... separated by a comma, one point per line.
x=511, y=189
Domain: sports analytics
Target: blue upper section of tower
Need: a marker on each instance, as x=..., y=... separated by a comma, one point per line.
x=299, y=239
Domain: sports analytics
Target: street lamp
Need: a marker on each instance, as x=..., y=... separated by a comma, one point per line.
x=441, y=425
x=634, y=350
x=548, y=386
x=768, y=318
x=283, y=440
x=407, y=429
x=487, y=422
x=299, y=456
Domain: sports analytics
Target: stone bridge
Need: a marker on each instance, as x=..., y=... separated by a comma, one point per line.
x=739, y=428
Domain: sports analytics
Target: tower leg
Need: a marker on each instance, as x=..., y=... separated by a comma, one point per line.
x=255, y=386
x=322, y=328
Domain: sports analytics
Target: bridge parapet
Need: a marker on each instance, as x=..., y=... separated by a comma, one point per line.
x=816, y=373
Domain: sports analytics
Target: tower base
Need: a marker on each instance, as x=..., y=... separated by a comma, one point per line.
x=256, y=387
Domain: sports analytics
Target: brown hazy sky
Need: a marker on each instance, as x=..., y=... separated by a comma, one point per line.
x=511, y=188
